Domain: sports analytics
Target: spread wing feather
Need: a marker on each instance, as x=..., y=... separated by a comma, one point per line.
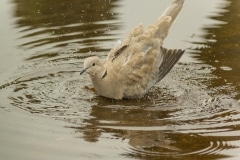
x=170, y=57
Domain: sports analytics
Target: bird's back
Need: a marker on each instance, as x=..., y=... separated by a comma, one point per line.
x=141, y=61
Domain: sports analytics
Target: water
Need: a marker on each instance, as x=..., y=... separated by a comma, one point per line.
x=49, y=111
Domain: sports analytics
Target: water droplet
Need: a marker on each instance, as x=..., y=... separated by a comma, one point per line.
x=226, y=68
x=118, y=43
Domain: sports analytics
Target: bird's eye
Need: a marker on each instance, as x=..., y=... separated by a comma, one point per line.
x=93, y=64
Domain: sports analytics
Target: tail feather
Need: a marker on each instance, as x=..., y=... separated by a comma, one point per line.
x=173, y=10
x=168, y=17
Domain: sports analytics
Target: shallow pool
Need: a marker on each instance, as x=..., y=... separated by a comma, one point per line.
x=49, y=111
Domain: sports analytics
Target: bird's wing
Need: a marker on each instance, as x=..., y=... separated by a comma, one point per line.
x=170, y=58
x=143, y=70
x=138, y=69
x=145, y=37
x=140, y=61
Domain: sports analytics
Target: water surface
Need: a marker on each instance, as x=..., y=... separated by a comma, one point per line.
x=48, y=111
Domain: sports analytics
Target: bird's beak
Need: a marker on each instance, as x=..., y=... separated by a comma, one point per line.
x=84, y=70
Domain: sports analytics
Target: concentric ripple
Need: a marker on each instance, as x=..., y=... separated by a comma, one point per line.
x=193, y=113
x=174, y=115
x=52, y=88
x=207, y=149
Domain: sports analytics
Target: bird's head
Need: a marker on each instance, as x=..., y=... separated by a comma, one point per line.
x=92, y=65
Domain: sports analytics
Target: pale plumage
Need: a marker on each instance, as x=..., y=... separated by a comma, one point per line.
x=131, y=69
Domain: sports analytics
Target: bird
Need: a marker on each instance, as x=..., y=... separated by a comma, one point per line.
x=132, y=68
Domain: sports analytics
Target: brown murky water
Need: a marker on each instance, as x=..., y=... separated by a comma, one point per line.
x=48, y=111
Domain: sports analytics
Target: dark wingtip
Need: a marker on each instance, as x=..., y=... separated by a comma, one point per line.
x=104, y=75
x=170, y=58
x=119, y=51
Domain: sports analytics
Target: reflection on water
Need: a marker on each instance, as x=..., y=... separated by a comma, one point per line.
x=223, y=49
x=192, y=114
x=53, y=23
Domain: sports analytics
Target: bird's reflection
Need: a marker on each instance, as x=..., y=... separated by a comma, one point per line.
x=149, y=133
x=146, y=124
x=130, y=123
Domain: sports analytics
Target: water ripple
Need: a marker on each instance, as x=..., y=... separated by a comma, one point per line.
x=191, y=114
x=174, y=115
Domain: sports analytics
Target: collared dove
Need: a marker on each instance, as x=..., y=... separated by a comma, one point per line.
x=140, y=62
